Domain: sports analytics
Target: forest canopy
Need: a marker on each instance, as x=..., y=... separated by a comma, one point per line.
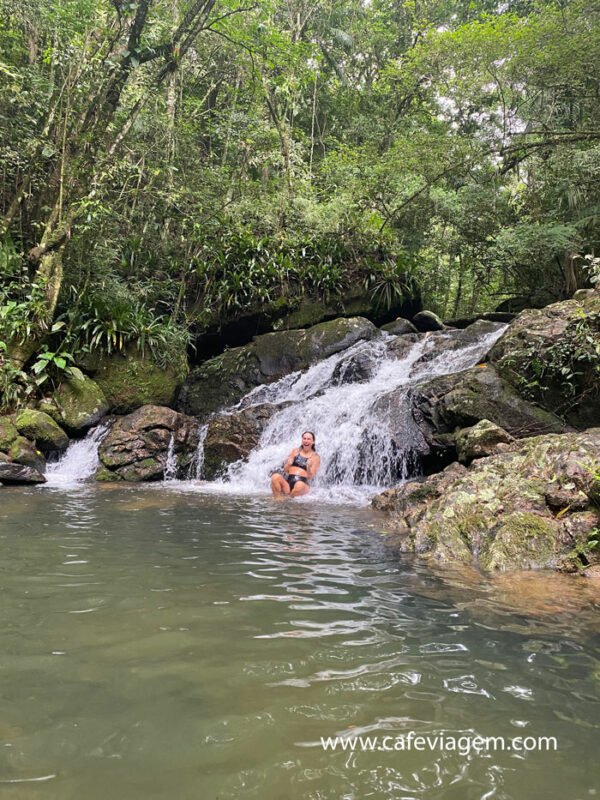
x=165, y=164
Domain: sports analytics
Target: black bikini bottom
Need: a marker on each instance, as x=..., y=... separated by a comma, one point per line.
x=293, y=480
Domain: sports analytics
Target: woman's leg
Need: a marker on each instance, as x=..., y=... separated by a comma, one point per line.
x=279, y=485
x=300, y=488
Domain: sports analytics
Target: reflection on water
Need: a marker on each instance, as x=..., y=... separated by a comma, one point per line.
x=161, y=644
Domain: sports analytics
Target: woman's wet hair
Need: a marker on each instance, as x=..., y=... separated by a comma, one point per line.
x=313, y=444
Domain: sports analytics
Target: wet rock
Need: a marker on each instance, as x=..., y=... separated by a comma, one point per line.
x=137, y=446
x=19, y=474
x=231, y=438
x=358, y=369
x=399, y=327
x=483, y=439
x=501, y=511
x=41, y=428
x=550, y=356
x=224, y=380
x=22, y=451
x=427, y=321
x=463, y=399
x=78, y=405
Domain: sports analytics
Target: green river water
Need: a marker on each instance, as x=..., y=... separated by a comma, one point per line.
x=166, y=643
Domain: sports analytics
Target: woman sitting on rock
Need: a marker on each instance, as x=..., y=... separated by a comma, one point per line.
x=301, y=466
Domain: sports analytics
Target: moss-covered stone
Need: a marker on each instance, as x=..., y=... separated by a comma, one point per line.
x=503, y=511
x=8, y=433
x=130, y=380
x=550, y=355
x=77, y=405
x=41, y=428
x=481, y=440
x=22, y=451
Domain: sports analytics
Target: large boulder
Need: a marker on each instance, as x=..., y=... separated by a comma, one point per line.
x=444, y=404
x=399, y=327
x=225, y=379
x=232, y=437
x=19, y=474
x=137, y=446
x=131, y=379
x=551, y=356
x=531, y=507
x=77, y=405
x=42, y=429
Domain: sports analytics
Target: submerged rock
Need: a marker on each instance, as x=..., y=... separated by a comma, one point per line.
x=225, y=379
x=40, y=427
x=502, y=511
x=137, y=446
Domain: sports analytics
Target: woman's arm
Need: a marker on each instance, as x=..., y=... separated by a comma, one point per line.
x=313, y=465
x=290, y=458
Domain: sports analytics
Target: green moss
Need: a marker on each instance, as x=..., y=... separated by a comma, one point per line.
x=8, y=433
x=131, y=381
x=43, y=429
x=524, y=540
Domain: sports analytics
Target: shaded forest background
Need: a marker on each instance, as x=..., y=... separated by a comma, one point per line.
x=168, y=164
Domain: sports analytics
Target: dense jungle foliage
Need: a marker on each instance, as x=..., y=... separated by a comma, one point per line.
x=169, y=163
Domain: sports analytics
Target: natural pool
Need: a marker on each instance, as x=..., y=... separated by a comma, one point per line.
x=162, y=642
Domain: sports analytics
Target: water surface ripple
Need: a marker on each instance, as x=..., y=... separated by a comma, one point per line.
x=161, y=644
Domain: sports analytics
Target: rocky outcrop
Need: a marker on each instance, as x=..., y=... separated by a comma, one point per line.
x=77, y=405
x=225, y=379
x=11, y=473
x=232, y=437
x=42, y=429
x=137, y=446
x=531, y=507
x=444, y=404
x=131, y=379
x=551, y=356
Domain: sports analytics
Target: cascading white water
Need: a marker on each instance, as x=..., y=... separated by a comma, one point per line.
x=351, y=420
x=171, y=463
x=196, y=464
x=79, y=461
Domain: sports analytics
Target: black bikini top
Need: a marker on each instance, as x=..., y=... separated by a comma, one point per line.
x=299, y=461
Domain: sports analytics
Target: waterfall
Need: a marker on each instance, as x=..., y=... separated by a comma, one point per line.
x=79, y=461
x=197, y=462
x=344, y=401
x=170, y=472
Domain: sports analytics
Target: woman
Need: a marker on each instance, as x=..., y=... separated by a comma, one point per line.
x=301, y=466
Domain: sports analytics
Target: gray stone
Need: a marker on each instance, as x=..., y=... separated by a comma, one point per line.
x=19, y=474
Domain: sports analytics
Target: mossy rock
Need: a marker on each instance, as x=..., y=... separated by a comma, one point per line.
x=131, y=379
x=8, y=433
x=77, y=405
x=22, y=451
x=42, y=429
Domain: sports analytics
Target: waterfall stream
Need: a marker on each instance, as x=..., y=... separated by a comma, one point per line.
x=352, y=401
